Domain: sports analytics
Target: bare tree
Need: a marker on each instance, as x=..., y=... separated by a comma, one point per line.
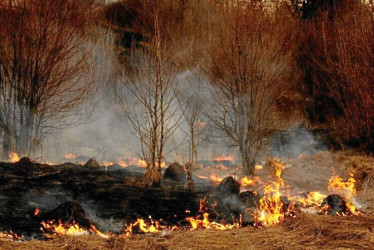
x=249, y=64
x=43, y=63
x=147, y=95
x=343, y=59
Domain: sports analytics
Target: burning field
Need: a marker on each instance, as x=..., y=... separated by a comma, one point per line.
x=78, y=206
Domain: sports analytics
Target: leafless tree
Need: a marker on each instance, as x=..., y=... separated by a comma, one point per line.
x=147, y=95
x=43, y=67
x=249, y=63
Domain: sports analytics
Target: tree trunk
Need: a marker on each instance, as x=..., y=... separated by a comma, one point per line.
x=248, y=162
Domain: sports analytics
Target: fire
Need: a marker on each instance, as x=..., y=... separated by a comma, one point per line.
x=70, y=156
x=312, y=199
x=13, y=157
x=206, y=224
x=258, y=167
x=271, y=209
x=107, y=163
x=37, y=211
x=10, y=236
x=246, y=181
x=153, y=226
x=224, y=158
x=63, y=229
x=202, y=177
x=215, y=178
x=347, y=189
x=270, y=212
x=137, y=162
x=71, y=229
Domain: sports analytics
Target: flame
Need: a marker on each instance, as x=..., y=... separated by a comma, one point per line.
x=11, y=236
x=37, y=211
x=107, y=163
x=70, y=156
x=203, y=177
x=271, y=209
x=215, y=178
x=258, y=167
x=13, y=157
x=71, y=229
x=347, y=189
x=312, y=199
x=63, y=229
x=246, y=181
x=206, y=224
x=137, y=162
x=270, y=212
x=224, y=158
x=153, y=226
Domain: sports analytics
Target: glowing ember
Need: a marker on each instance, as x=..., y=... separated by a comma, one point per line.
x=70, y=156
x=13, y=157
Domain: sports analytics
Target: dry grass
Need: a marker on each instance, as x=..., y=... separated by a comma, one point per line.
x=304, y=231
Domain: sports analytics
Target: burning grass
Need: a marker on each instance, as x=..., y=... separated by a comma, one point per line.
x=303, y=231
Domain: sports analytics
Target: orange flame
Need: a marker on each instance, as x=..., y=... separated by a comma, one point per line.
x=70, y=156
x=347, y=189
x=13, y=157
x=107, y=163
x=271, y=207
x=206, y=224
x=126, y=162
x=215, y=178
x=10, y=236
x=258, y=167
x=224, y=158
x=37, y=211
x=71, y=229
x=246, y=181
x=312, y=199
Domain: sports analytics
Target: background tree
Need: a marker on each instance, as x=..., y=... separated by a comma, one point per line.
x=336, y=59
x=147, y=95
x=250, y=65
x=43, y=68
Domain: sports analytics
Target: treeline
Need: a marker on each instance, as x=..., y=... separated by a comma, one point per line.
x=258, y=67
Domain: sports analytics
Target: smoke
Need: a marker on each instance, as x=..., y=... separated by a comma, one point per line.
x=295, y=141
